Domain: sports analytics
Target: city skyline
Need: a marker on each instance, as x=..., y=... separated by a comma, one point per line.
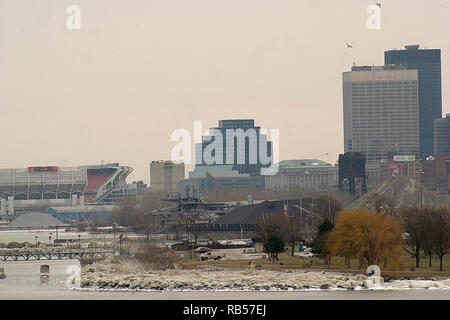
x=116, y=89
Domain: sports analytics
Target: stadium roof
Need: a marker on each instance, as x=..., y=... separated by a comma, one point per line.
x=35, y=219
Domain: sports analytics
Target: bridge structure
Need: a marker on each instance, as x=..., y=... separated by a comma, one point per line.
x=16, y=255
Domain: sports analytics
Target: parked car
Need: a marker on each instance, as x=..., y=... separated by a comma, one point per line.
x=214, y=255
x=306, y=254
x=201, y=250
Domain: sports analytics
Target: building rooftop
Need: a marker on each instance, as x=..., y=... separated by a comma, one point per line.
x=303, y=164
x=378, y=68
x=237, y=123
x=221, y=171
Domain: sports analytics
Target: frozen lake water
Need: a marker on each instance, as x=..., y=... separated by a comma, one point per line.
x=23, y=282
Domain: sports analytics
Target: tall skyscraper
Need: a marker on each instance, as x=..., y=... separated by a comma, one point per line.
x=238, y=143
x=442, y=136
x=381, y=111
x=428, y=64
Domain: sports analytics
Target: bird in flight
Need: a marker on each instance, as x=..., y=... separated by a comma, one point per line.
x=348, y=46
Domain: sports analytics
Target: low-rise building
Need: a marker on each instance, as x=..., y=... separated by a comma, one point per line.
x=304, y=173
x=209, y=178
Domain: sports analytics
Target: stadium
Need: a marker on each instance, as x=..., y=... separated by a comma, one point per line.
x=64, y=192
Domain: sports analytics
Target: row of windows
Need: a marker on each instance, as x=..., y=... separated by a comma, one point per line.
x=384, y=100
x=383, y=125
x=295, y=179
x=386, y=113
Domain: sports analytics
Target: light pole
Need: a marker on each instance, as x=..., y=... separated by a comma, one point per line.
x=421, y=172
x=189, y=236
x=36, y=237
x=301, y=215
x=79, y=241
x=329, y=204
x=120, y=243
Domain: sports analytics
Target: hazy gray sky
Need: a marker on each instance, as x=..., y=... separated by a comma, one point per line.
x=116, y=89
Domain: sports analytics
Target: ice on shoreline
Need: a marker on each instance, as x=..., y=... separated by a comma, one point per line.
x=124, y=277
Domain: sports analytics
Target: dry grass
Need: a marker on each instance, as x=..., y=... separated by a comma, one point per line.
x=155, y=258
x=337, y=265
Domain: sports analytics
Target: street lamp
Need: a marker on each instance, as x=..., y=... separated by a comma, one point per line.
x=188, y=222
x=120, y=243
x=421, y=172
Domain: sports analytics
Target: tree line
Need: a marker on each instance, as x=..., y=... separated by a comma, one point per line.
x=376, y=234
x=380, y=232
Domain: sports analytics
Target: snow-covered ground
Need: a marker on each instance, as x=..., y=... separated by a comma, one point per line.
x=130, y=276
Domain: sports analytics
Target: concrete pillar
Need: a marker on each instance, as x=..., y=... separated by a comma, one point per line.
x=45, y=269
x=3, y=206
x=11, y=205
x=45, y=273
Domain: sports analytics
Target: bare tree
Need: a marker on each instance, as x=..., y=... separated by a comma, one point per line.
x=274, y=224
x=286, y=228
x=328, y=207
x=128, y=213
x=414, y=224
x=293, y=232
x=440, y=236
x=380, y=203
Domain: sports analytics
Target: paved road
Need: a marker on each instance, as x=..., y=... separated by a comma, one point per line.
x=237, y=254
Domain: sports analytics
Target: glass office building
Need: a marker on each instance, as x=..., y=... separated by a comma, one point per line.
x=428, y=64
x=238, y=143
x=442, y=136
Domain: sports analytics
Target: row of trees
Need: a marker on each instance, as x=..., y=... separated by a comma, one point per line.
x=379, y=236
x=426, y=232
x=376, y=235
x=277, y=230
x=132, y=211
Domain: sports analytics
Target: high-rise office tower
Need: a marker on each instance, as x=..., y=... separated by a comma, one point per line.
x=236, y=142
x=381, y=111
x=428, y=64
x=442, y=136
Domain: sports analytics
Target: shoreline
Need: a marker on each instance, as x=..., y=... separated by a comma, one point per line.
x=129, y=277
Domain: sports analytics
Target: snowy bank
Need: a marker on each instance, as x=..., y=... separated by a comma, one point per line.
x=130, y=276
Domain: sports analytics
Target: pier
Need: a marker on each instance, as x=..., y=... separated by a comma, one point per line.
x=15, y=255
